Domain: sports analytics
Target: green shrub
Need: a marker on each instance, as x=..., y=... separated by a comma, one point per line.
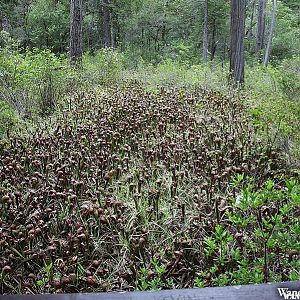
x=290, y=77
x=171, y=73
x=8, y=118
x=47, y=25
x=102, y=68
x=273, y=95
x=32, y=80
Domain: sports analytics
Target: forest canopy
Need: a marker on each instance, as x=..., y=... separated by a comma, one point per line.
x=149, y=29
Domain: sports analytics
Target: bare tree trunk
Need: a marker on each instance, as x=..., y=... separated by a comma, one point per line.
x=250, y=32
x=4, y=23
x=205, y=31
x=1, y=21
x=261, y=24
x=112, y=32
x=237, y=32
x=272, y=29
x=76, y=31
x=106, y=24
x=213, y=41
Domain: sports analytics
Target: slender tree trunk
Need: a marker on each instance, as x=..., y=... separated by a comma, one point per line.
x=118, y=40
x=272, y=29
x=225, y=50
x=4, y=22
x=164, y=26
x=112, y=32
x=261, y=24
x=1, y=20
x=142, y=39
x=163, y=33
x=250, y=32
x=213, y=41
x=237, y=57
x=76, y=31
x=106, y=24
x=205, y=31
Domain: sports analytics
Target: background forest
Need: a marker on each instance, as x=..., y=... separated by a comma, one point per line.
x=148, y=144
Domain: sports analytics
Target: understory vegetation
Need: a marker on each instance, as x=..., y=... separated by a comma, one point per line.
x=34, y=81
x=141, y=149
x=131, y=189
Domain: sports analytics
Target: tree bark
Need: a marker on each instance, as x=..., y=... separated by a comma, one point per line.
x=1, y=20
x=213, y=41
x=272, y=29
x=261, y=24
x=205, y=31
x=76, y=31
x=4, y=22
x=112, y=32
x=106, y=24
x=237, y=32
x=250, y=32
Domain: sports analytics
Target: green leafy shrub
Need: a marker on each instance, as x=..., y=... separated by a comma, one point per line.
x=273, y=96
x=48, y=25
x=102, y=68
x=35, y=80
x=290, y=77
x=170, y=73
x=260, y=224
x=32, y=80
x=7, y=118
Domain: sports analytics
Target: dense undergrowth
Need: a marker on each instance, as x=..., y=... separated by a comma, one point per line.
x=161, y=176
x=270, y=94
x=33, y=82
x=131, y=189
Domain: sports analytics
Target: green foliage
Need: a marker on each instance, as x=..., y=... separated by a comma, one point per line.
x=258, y=219
x=153, y=277
x=102, y=68
x=273, y=95
x=172, y=73
x=48, y=25
x=290, y=77
x=150, y=29
x=286, y=42
x=7, y=118
x=32, y=80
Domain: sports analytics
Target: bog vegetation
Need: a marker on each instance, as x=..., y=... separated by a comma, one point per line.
x=141, y=165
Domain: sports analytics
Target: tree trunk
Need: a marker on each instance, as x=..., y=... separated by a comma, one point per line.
x=272, y=29
x=76, y=31
x=237, y=32
x=213, y=41
x=106, y=24
x=4, y=23
x=205, y=31
x=250, y=32
x=261, y=24
x=112, y=32
x=1, y=20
